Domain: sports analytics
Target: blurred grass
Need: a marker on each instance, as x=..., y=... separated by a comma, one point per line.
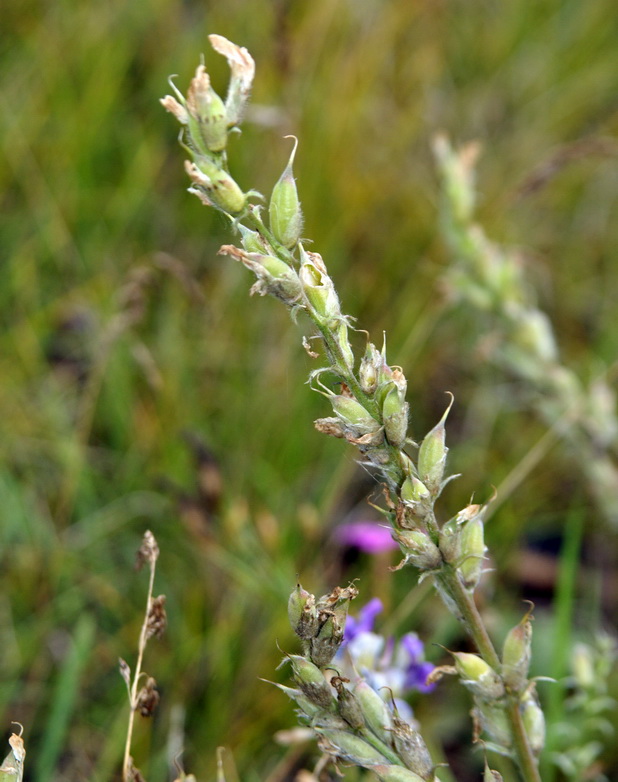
x=122, y=331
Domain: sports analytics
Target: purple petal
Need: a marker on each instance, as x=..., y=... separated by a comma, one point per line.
x=365, y=620
x=416, y=677
x=367, y=536
x=413, y=646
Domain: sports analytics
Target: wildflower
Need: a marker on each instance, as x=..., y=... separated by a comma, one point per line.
x=367, y=536
x=391, y=668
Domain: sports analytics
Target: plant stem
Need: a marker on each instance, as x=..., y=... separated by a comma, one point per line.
x=137, y=674
x=473, y=622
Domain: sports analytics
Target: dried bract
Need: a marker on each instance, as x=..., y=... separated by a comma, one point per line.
x=148, y=552
x=157, y=618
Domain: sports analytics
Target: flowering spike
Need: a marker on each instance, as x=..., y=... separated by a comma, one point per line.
x=286, y=218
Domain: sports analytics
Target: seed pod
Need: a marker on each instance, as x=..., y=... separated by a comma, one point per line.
x=302, y=613
x=311, y=681
x=353, y=415
x=534, y=722
x=286, y=218
x=275, y=277
x=413, y=490
x=395, y=414
x=251, y=241
x=348, y=707
x=418, y=548
x=318, y=288
x=352, y=748
x=375, y=711
x=516, y=655
x=491, y=717
x=489, y=775
x=218, y=187
x=207, y=116
x=472, y=552
x=411, y=748
x=478, y=676
x=396, y=774
x=368, y=370
x=432, y=455
x=450, y=540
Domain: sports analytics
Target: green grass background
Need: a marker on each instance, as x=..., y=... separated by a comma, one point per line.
x=124, y=337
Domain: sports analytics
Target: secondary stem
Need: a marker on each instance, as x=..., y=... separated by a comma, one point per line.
x=473, y=622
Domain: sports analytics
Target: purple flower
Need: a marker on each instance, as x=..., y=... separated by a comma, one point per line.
x=391, y=668
x=364, y=623
x=368, y=536
x=417, y=670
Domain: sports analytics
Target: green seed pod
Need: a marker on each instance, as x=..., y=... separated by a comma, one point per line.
x=534, y=722
x=490, y=716
x=432, y=455
x=395, y=414
x=472, y=552
x=516, y=655
x=411, y=748
x=207, y=116
x=418, y=548
x=252, y=242
x=348, y=706
x=450, y=541
x=302, y=613
x=311, y=681
x=369, y=367
x=216, y=186
x=375, y=711
x=275, y=277
x=396, y=774
x=320, y=294
x=353, y=415
x=324, y=646
x=352, y=748
x=286, y=218
x=479, y=677
x=489, y=775
x=413, y=490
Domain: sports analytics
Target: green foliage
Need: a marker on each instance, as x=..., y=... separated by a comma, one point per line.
x=126, y=342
